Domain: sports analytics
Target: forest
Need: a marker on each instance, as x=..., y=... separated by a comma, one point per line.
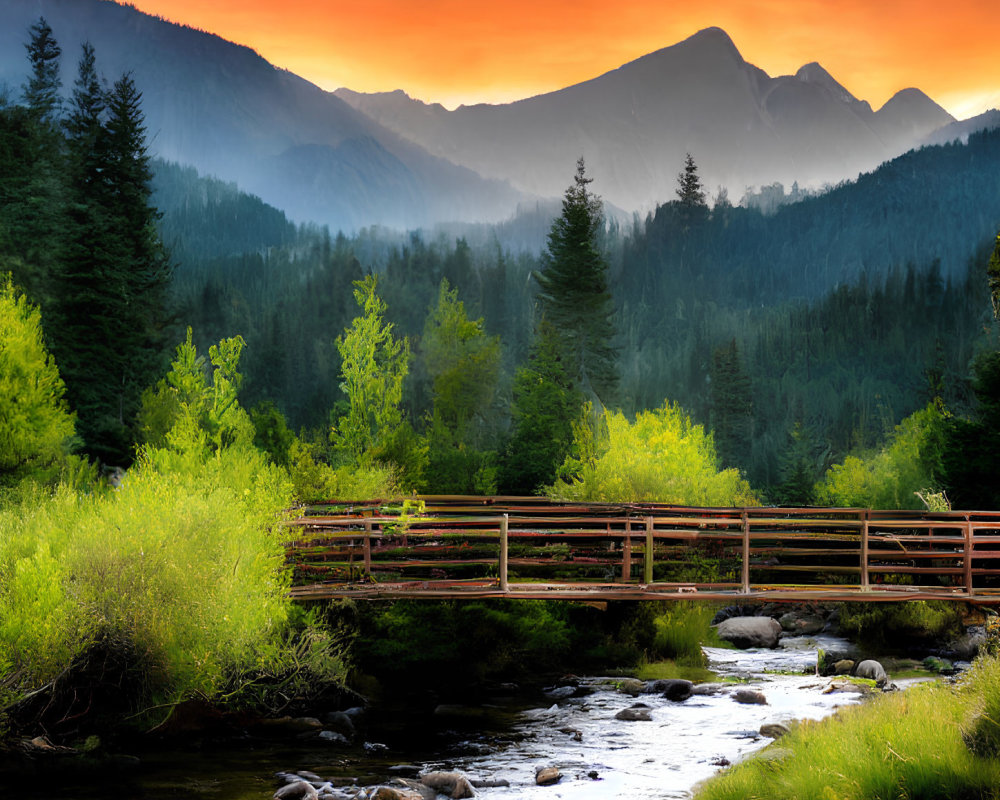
x=180, y=365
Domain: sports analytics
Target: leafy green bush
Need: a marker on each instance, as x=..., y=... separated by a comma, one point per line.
x=899, y=624
x=892, y=477
x=36, y=426
x=661, y=457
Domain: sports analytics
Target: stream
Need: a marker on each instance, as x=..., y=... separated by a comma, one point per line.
x=598, y=755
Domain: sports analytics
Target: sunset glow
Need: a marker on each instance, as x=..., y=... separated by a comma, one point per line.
x=454, y=51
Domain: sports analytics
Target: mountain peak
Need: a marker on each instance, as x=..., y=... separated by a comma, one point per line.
x=714, y=38
x=814, y=73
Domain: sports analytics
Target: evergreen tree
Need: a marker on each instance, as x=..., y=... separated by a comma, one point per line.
x=545, y=403
x=732, y=405
x=573, y=290
x=691, y=194
x=110, y=314
x=41, y=92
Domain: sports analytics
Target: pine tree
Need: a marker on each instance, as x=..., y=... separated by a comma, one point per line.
x=41, y=93
x=545, y=403
x=732, y=405
x=111, y=299
x=573, y=290
x=691, y=194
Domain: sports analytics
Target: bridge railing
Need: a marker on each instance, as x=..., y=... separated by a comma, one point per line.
x=479, y=543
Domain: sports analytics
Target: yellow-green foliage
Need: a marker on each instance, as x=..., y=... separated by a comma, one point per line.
x=891, y=477
x=901, y=745
x=661, y=457
x=681, y=629
x=35, y=422
x=184, y=568
x=315, y=481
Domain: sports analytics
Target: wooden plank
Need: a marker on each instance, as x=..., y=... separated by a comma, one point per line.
x=647, y=565
x=503, y=554
x=627, y=554
x=745, y=565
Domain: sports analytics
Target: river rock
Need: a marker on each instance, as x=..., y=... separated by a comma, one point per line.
x=708, y=689
x=333, y=737
x=453, y=784
x=843, y=667
x=547, y=776
x=799, y=624
x=634, y=715
x=674, y=689
x=489, y=783
x=393, y=793
x=872, y=670
x=631, y=686
x=746, y=632
x=750, y=697
x=300, y=790
x=560, y=693
x=340, y=722
x=425, y=792
x=773, y=730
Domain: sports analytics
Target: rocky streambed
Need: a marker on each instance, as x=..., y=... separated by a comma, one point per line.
x=600, y=737
x=584, y=737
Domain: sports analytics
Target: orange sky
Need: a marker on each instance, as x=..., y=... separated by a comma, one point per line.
x=464, y=51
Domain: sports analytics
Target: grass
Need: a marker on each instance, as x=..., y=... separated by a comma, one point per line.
x=905, y=745
x=663, y=670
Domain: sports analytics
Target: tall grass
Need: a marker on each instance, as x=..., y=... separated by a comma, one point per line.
x=902, y=745
x=681, y=630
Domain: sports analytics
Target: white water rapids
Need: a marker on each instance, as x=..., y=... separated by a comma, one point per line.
x=684, y=743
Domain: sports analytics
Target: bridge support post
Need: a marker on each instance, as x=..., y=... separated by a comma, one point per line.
x=647, y=565
x=745, y=556
x=969, y=588
x=626, y=551
x=368, y=548
x=504, y=522
x=864, y=552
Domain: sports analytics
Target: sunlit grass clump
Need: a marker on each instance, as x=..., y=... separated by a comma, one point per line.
x=901, y=745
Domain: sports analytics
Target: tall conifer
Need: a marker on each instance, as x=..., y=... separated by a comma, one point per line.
x=573, y=290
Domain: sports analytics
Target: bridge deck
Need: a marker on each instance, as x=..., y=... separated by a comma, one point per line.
x=529, y=548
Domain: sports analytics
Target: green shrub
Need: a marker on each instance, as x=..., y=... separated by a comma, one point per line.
x=661, y=457
x=897, y=475
x=899, y=624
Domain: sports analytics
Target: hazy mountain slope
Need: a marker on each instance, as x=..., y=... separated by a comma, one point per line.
x=634, y=125
x=223, y=109
x=960, y=131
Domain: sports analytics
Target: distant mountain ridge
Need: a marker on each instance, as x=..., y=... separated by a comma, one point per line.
x=352, y=160
x=635, y=124
x=223, y=109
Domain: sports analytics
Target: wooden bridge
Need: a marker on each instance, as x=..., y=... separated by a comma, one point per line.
x=530, y=548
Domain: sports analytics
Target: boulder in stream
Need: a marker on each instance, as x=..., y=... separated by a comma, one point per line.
x=453, y=784
x=675, y=689
x=750, y=697
x=773, y=730
x=872, y=670
x=546, y=776
x=631, y=686
x=746, y=632
x=300, y=790
x=634, y=715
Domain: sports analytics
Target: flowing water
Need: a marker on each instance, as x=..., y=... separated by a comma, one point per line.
x=599, y=756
